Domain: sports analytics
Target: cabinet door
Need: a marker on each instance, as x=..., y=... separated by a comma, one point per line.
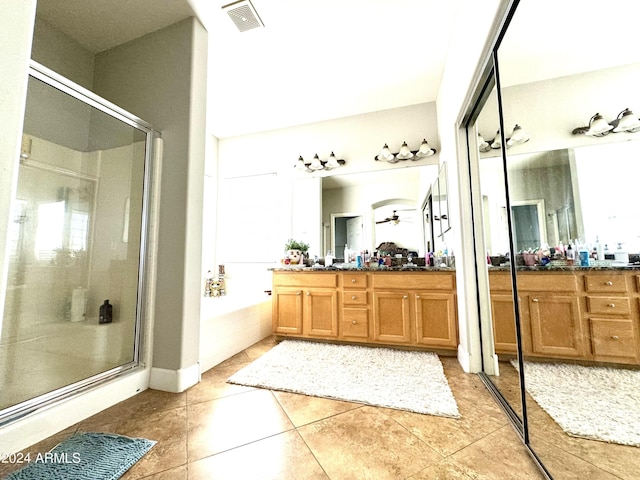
x=556, y=329
x=504, y=323
x=436, y=319
x=321, y=313
x=391, y=317
x=287, y=311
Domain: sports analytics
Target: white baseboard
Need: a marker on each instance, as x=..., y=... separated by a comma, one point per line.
x=465, y=359
x=174, y=381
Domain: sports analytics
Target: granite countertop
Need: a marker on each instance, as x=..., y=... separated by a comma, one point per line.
x=535, y=268
x=296, y=268
x=565, y=268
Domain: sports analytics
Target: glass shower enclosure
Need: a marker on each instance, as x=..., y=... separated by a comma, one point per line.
x=73, y=299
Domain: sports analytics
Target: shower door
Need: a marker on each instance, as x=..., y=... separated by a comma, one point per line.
x=72, y=304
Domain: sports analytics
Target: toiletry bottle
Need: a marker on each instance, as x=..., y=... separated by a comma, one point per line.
x=346, y=253
x=106, y=312
x=599, y=250
x=328, y=259
x=221, y=282
x=571, y=254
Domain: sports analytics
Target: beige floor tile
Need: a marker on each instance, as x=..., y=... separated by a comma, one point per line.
x=145, y=403
x=230, y=422
x=498, y=456
x=214, y=383
x=623, y=461
x=448, y=435
x=365, y=443
x=167, y=428
x=283, y=456
x=304, y=409
x=565, y=466
x=258, y=349
x=447, y=469
x=178, y=473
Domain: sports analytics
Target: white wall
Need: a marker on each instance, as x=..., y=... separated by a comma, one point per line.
x=476, y=25
x=161, y=77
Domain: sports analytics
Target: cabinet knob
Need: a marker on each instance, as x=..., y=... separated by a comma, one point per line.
x=353, y=322
x=417, y=297
x=615, y=337
x=609, y=283
x=612, y=305
x=405, y=297
x=535, y=300
x=353, y=297
x=353, y=280
x=308, y=294
x=298, y=292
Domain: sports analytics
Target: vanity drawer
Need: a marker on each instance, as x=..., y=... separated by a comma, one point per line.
x=417, y=281
x=355, y=322
x=354, y=280
x=609, y=305
x=545, y=282
x=606, y=283
x=355, y=297
x=612, y=338
x=304, y=280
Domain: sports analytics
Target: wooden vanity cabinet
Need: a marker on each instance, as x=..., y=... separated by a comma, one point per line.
x=305, y=304
x=416, y=309
x=588, y=315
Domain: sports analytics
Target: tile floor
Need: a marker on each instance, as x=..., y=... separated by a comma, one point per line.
x=217, y=430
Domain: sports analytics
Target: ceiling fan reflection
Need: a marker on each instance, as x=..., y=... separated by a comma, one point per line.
x=394, y=219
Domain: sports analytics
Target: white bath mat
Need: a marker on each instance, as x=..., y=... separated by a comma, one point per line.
x=405, y=380
x=592, y=402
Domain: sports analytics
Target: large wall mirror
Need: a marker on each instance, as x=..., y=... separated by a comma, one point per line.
x=383, y=206
x=574, y=331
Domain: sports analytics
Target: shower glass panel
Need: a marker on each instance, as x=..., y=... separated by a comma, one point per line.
x=75, y=236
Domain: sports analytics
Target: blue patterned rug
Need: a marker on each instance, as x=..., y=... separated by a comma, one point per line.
x=85, y=456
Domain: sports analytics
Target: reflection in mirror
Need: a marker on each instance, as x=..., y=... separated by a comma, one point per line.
x=443, y=199
x=575, y=321
x=374, y=196
x=347, y=232
x=500, y=316
x=397, y=223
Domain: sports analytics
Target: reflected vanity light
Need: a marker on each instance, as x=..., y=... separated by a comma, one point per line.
x=316, y=164
x=626, y=121
x=405, y=153
x=518, y=137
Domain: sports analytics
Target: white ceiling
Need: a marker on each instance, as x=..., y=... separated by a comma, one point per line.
x=314, y=60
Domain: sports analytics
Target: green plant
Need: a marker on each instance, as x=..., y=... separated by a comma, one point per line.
x=296, y=245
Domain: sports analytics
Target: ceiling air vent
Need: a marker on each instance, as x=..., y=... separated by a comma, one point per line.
x=243, y=15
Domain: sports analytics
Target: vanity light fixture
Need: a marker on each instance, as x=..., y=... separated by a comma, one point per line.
x=425, y=149
x=483, y=145
x=405, y=153
x=626, y=121
x=317, y=164
x=598, y=127
x=518, y=137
